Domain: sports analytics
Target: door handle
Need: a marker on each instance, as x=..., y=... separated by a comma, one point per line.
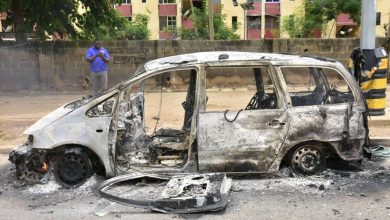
x=99, y=130
x=276, y=123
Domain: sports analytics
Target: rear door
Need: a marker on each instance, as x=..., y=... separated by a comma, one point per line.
x=331, y=114
x=244, y=122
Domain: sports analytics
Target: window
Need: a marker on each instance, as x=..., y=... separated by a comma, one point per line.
x=271, y=22
x=271, y=0
x=254, y=22
x=316, y=86
x=378, y=18
x=102, y=109
x=166, y=93
x=166, y=1
x=235, y=88
x=234, y=23
x=143, y=1
x=126, y=1
x=167, y=22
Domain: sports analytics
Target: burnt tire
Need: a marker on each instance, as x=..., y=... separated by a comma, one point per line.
x=307, y=160
x=72, y=169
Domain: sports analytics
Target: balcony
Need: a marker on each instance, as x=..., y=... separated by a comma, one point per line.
x=257, y=10
x=253, y=34
x=272, y=8
x=271, y=33
x=167, y=10
x=124, y=10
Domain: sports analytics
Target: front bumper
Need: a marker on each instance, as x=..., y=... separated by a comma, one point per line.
x=30, y=164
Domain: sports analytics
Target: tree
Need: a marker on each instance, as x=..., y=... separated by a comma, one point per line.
x=200, y=23
x=298, y=25
x=138, y=29
x=315, y=14
x=78, y=19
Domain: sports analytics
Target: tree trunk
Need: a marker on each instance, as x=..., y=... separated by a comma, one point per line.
x=18, y=19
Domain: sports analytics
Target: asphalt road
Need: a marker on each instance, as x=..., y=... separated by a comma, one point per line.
x=334, y=194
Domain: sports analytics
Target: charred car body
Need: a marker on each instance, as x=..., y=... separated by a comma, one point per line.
x=241, y=112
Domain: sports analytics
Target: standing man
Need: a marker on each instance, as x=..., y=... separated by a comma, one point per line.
x=98, y=58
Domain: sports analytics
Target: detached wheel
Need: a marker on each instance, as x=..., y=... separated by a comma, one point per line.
x=72, y=169
x=307, y=160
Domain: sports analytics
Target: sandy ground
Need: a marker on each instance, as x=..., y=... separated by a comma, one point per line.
x=361, y=194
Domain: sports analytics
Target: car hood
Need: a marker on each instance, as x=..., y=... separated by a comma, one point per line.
x=48, y=119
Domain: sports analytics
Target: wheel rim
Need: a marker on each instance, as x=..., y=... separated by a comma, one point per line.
x=72, y=169
x=307, y=160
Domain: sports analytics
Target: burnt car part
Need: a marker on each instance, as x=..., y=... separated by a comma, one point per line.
x=307, y=159
x=181, y=194
x=71, y=167
x=30, y=164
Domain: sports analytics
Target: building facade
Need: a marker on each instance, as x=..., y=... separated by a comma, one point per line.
x=251, y=19
x=248, y=21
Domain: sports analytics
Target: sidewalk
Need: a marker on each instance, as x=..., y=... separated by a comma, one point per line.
x=380, y=122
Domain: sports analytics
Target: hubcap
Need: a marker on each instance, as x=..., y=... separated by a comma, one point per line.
x=307, y=159
x=72, y=169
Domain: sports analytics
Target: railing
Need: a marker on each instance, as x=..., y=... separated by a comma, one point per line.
x=10, y=36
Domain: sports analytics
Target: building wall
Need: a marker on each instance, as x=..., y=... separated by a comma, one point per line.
x=149, y=8
x=229, y=10
x=62, y=67
x=287, y=8
x=383, y=6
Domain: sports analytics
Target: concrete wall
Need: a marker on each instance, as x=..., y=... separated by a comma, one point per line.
x=61, y=66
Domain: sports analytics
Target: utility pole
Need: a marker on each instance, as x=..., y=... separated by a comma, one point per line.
x=368, y=27
x=245, y=25
x=211, y=20
x=262, y=29
x=369, y=64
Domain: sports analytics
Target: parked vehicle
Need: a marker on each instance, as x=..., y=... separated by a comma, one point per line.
x=227, y=112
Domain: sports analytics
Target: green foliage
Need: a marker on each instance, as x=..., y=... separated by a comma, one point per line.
x=327, y=10
x=315, y=14
x=138, y=29
x=221, y=31
x=298, y=25
x=200, y=23
x=95, y=19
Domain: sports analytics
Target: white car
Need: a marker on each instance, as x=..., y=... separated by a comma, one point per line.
x=227, y=112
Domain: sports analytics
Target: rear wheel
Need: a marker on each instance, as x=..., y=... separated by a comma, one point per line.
x=307, y=160
x=72, y=169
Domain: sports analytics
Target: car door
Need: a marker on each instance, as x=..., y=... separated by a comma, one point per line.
x=98, y=124
x=333, y=117
x=244, y=122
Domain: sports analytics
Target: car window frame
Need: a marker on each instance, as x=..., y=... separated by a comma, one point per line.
x=288, y=97
x=113, y=106
x=281, y=101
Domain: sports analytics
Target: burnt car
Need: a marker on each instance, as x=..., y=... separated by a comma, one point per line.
x=232, y=112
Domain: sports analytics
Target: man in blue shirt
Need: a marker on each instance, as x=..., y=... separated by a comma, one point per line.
x=98, y=58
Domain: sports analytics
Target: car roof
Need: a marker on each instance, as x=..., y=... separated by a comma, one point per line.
x=224, y=56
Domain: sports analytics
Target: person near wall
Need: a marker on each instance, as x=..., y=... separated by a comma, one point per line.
x=98, y=58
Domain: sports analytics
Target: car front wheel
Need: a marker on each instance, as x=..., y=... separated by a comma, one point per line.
x=307, y=160
x=72, y=169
